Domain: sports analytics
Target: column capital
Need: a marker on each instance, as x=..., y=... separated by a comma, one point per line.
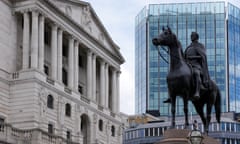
x=35, y=13
x=107, y=65
x=114, y=69
x=102, y=61
x=41, y=18
x=24, y=11
x=94, y=55
x=118, y=72
x=71, y=37
x=76, y=43
x=89, y=52
x=60, y=31
x=54, y=25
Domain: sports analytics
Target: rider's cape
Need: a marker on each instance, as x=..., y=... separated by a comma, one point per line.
x=201, y=51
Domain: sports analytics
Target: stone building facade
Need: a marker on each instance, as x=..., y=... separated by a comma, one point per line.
x=59, y=74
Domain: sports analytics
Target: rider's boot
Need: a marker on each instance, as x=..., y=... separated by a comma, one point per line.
x=198, y=82
x=167, y=100
x=196, y=96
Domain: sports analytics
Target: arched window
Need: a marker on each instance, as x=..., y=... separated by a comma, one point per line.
x=113, y=131
x=50, y=101
x=100, y=125
x=68, y=109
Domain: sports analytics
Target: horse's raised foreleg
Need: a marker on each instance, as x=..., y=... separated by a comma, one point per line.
x=185, y=109
x=173, y=110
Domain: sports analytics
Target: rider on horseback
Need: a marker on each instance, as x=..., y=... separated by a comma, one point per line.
x=195, y=54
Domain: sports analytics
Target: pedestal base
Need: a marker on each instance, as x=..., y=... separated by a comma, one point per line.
x=179, y=136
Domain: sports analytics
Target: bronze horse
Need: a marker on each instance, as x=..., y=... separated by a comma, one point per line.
x=180, y=82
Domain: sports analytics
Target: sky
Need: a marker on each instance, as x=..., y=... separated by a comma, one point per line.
x=118, y=17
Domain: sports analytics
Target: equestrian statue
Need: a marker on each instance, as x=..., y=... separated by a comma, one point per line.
x=188, y=77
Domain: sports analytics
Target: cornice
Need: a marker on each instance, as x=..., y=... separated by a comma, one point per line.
x=8, y=2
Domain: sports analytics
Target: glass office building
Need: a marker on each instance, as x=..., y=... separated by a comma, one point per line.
x=218, y=26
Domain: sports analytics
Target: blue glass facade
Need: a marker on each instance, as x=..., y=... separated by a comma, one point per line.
x=234, y=57
x=219, y=31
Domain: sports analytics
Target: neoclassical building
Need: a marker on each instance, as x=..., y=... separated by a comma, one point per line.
x=59, y=74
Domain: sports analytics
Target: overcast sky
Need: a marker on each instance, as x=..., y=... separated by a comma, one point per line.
x=118, y=17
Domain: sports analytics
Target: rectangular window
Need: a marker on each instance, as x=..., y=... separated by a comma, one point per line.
x=156, y=132
x=1, y=120
x=47, y=36
x=65, y=50
x=68, y=135
x=50, y=128
x=80, y=61
x=64, y=76
x=1, y=124
x=46, y=70
x=146, y=132
x=151, y=131
x=80, y=89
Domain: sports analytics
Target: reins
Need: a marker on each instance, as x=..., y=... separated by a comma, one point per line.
x=161, y=54
x=167, y=51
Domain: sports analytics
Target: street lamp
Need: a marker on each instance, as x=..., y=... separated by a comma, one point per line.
x=195, y=137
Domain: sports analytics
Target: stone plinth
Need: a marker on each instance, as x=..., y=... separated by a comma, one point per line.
x=179, y=136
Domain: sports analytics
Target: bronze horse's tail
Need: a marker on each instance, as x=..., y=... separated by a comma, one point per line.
x=218, y=105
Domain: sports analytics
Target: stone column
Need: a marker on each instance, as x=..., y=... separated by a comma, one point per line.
x=107, y=85
x=26, y=38
x=89, y=74
x=41, y=44
x=76, y=67
x=118, y=91
x=59, y=55
x=102, y=83
x=94, y=98
x=54, y=51
x=34, y=40
x=70, y=62
x=114, y=91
